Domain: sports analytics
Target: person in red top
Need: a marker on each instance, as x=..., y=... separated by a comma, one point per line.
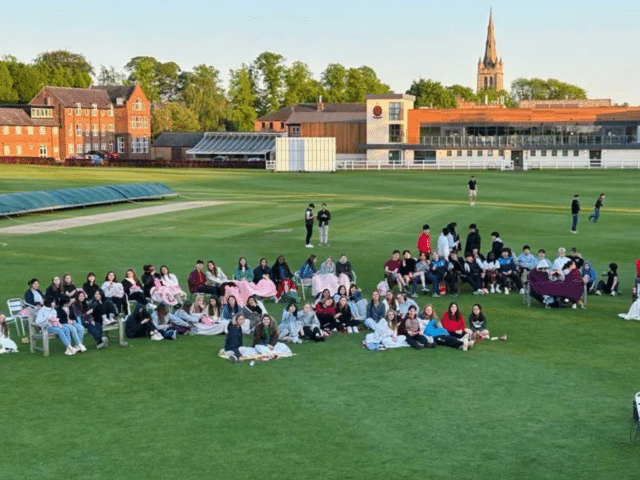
x=392, y=270
x=638, y=268
x=424, y=241
x=453, y=322
x=326, y=313
x=197, y=281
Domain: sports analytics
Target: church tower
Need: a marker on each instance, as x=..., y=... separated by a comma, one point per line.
x=490, y=69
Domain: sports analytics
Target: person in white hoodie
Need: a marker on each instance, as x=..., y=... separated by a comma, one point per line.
x=47, y=317
x=444, y=249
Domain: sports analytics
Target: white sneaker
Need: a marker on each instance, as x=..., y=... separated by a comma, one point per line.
x=506, y=291
x=80, y=347
x=349, y=329
x=574, y=306
x=498, y=289
x=493, y=289
x=108, y=321
x=613, y=294
x=156, y=336
x=309, y=245
x=522, y=291
x=70, y=351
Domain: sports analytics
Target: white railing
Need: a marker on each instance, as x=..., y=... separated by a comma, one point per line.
x=436, y=165
x=581, y=163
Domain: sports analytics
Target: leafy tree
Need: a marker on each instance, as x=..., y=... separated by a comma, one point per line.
x=28, y=80
x=361, y=81
x=159, y=81
x=202, y=94
x=464, y=93
x=300, y=86
x=429, y=93
x=173, y=117
x=75, y=62
x=334, y=81
x=108, y=76
x=268, y=71
x=7, y=92
x=539, y=89
x=496, y=96
x=242, y=96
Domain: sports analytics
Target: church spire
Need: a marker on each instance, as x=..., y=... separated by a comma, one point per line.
x=490, y=51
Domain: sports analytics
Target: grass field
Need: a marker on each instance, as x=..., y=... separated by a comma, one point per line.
x=553, y=402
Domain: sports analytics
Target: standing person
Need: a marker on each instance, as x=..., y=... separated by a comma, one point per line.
x=424, y=241
x=596, y=209
x=473, y=240
x=473, y=190
x=308, y=222
x=323, y=224
x=575, y=210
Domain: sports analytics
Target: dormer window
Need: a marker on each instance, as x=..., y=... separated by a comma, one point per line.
x=120, y=101
x=78, y=109
x=94, y=109
x=138, y=105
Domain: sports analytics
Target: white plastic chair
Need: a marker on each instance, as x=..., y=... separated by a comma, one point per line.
x=16, y=306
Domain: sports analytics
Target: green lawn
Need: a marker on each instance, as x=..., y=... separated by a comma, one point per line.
x=552, y=402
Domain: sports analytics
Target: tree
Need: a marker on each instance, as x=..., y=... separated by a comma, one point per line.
x=360, y=82
x=268, y=71
x=334, y=81
x=159, y=81
x=75, y=62
x=464, y=93
x=429, y=93
x=173, y=117
x=502, y=97
x=300, y=86
x=28, y=80
x=242, y=96
x=7, y=92
x=202, y=94
x=551, y=89
x=108, y=76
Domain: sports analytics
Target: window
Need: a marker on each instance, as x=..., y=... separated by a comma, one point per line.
x=18, y=130
x=103, y=131
x=7, y=150
x=5, y=130
x=554, y=153
x=87, y=147
x=459, y=153
x=281, y=124
x=501, y=153
x=532, y=153
x=270, y=125
x=294, y=130
x=70, y=149
x=78, y=109
x=469, y=153
x=395, y=133
x=43, y=131
x=111, y=146
x=55, y=149
x=490, y=153
x=479, y=154
x=395, y=156
x=96, y=146
x=78, y=130
x=42, y=151
x=41, y=113
x=79, y=149
x=71, y=130
x=103, y=146
x=449, y=153
x=565, y=153
x=111, y=127
x=69, y=111
x=138, y=105
x=87, y=132
x=576, y=153
x=120, y=145
x=424, y=156
x=543, y=153
x=18, y=149
x=110, y=111
x=145, y=145
x=395, y=111
x=86, y=112
x=264, y=125
x=95, y=130
x=54, y=130
x=102, y=113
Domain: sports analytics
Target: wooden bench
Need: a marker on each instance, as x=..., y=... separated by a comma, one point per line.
x=40, y=333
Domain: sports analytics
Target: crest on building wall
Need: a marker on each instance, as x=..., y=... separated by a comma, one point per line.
x=377, y=111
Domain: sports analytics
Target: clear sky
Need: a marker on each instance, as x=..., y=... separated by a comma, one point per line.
x=595, y=45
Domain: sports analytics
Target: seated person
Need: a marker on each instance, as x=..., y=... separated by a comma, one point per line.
x=423, y=273
x=308, y=268
x=55, y=290
x=47, y=319
x=233, y=342
x=453, y=322
x=90, y=285
x=139, y=325
x=439, y=269
x=328, y=266
x=473, y=274
x=148, y=279
x=412, y=330
x=345, y=316
x=385, y=335
x=33, y=296
x=509, y=273
x=114, y=291
x=265, y=338
x=560, y=260
x=133, y=288
x=326, y=313
x=310, y=324
x=290, y=327
x=526, y=261
x=392, y=270
x=434, y=329
x=589, y=276
x=243, y=271
x=611, y=286
x=215, y=278
x=403, y=304
x=343, y=267
x=262, y=271
x=375, y=311
x=455, y=272
x=198, y=281
x=491, y=269
x=407, y=270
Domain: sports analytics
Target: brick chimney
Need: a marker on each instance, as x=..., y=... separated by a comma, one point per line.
x=320, y=105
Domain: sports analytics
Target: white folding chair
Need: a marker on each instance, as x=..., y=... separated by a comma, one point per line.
x=16, y=307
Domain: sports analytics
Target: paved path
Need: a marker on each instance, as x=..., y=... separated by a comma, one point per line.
x=53, y=225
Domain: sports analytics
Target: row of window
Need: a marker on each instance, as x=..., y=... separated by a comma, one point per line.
x=554, y=153
x=87, y=132
x=42, y=150
x=41, y=113
x=139, y=122
x=532, y=153
x=30, y=130
x=87, y=147
x=94, y=111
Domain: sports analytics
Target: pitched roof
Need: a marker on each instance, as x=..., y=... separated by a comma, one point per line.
x=115, y=92
x=18, y=116
x=178, y=139
x=68, y=96
x=284, y=114
x=490, y=50
x=236, y=143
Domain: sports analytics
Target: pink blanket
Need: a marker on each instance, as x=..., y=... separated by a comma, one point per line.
x=244, y=289
x=329, y=281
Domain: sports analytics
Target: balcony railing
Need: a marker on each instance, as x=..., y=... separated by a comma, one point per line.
x=532, y=141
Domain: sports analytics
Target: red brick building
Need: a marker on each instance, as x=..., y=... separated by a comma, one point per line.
x=85, y=117
x=29, y=131
x=132, y=110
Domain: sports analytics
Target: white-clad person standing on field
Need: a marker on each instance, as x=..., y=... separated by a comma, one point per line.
x=323, y=224
x=308, y=222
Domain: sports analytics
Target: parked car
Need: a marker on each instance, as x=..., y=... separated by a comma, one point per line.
x=221, y=158
x=255, y=159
